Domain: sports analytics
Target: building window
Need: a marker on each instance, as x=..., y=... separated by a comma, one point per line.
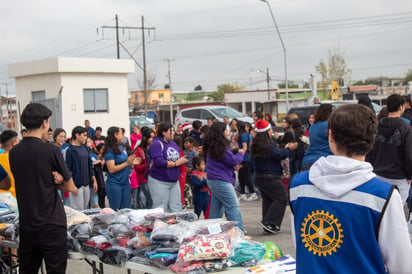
x=95, y=100
x=38, y=96
x=136, y=97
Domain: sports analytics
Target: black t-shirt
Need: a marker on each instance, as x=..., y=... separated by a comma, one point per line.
x=98, y=140
x=32, y=163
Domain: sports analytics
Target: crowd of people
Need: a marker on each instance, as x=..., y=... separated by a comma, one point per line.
x=212, y=168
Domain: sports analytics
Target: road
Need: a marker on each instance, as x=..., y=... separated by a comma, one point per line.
x=251, y=213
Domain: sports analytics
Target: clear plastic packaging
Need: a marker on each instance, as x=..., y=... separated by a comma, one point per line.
x=75, y=217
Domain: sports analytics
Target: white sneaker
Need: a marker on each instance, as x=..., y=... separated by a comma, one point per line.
x=243, y=197
x=252, y=197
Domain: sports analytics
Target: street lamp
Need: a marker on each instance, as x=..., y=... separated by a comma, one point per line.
x=267, y=80
x=284, y=54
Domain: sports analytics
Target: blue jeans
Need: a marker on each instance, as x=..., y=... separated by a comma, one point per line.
x=224, y=199
x=94, y=198
x=165, y=194
x=118, y=195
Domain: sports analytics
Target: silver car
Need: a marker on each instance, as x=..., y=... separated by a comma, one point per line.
x=202, y=113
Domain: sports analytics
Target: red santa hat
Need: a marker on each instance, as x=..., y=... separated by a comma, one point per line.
x=186, y=126
x=262, y=126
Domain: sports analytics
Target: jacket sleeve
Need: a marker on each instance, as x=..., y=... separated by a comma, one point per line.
x=91, y=169
x=69, y=159
x=140, y=168
x=197, y=182
x=156, y=154
x=231, y=159
x=408, y=152
x=394, y=241
x=279, y=153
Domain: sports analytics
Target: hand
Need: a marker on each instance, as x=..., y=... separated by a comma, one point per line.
x=94, y=184
x=181, y=161
x=241, y=151
x=58, y=178
x=292, y=146
x=130, y=159
x=137, y=161
x=75, y=191
x=237, y=167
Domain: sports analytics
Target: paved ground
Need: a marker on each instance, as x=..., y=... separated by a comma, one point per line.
x=251, y=213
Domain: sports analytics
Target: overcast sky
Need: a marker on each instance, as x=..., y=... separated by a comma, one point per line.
x=214, y=41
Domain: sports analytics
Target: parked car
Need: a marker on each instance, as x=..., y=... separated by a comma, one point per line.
x=304, y=111
x=188, y=115
x=141, y=121
x=150, y=115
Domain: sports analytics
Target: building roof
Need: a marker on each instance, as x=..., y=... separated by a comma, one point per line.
x=71, y=64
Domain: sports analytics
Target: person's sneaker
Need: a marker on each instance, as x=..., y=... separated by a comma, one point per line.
x=269, y=229
x=252, y=197
x=243, y=197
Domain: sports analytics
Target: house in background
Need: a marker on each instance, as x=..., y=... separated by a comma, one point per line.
x=76, y=89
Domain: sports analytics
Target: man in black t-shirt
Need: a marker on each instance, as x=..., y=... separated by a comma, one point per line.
x=39, y=170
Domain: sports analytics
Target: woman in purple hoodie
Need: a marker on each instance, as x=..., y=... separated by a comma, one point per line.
x=165, y=159
x=220, y=166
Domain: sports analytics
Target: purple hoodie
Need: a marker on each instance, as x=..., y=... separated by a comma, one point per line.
x=159, y=153
x=222, y=169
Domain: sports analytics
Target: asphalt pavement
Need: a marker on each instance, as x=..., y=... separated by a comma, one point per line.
x=251, y=213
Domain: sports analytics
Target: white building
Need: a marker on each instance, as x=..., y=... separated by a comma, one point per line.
x=76, y=89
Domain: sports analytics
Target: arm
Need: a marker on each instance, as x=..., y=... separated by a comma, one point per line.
x=197, y=182
x=279, y=153
x=5, y=182
x=231, y=159
x=408, y=152
x=394, y=241
x=141, y=167
x=113, y=168
x=66, y=186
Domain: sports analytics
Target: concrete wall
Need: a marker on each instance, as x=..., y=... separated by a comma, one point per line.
x=75, y=75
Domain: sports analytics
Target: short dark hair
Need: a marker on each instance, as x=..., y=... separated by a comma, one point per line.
x=394, y=101
x=197, y=161
x=163, y=127
x=259, y=114
x=78, y=130
x=99, y=128
x=196, y=124
x=33, y=115
x=49, y=130
x=189, y=140
x=204, y=129
x=353, y=128
x=6, y=136
x=323, y=112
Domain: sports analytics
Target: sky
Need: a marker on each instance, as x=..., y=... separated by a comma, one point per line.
x=213, y=42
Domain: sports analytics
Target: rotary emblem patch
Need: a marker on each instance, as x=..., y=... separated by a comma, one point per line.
x=321, y=233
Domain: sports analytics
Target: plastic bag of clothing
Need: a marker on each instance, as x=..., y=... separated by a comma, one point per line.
x=9, y=231
x=119, y=230
x=75, y=217
x=116, y=255
x=91, y=211
x=72, y=243
x=80, y=232
x=193, y=267
x=8, y=216
x=140, y=240
x=247, y=253
x=137, y=216
x=140, y=256
x=169, y=234
x=100, y=222
x=9, y=202
x=206, y=247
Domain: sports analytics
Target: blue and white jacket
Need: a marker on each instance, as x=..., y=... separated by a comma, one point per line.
x=348, y=221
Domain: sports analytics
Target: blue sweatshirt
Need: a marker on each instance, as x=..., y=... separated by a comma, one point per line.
x=271, y=164
x=319, y=143
x=159, y=153
x=222, y=169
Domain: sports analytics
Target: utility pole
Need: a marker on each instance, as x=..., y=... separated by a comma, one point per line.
x=268, y=80
x=170, y=87
x=143, y=28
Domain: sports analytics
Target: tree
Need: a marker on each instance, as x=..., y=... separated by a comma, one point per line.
x=335, y=70
x=408, y=77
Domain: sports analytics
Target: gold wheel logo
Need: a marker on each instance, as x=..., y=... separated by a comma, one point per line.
x=321, y=233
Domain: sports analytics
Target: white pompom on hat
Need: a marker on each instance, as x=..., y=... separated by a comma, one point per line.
x=262, y=126
x=186, y=126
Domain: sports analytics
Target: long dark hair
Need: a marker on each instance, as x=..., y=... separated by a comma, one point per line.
x=261, y=145
x=110, y=143
x=297, y=128
x=241, y=128
x=215, y=142
x=146, y=134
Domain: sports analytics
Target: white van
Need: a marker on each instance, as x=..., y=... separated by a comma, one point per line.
x=202, y=113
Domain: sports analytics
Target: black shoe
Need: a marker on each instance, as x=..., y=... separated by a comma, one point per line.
x=269, y=229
